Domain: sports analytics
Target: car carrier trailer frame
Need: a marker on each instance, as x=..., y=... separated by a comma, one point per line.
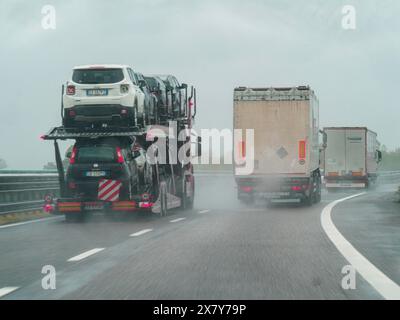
x=173, y=183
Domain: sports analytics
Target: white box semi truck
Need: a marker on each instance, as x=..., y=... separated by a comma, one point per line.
x=286, y=144
x=351, y=157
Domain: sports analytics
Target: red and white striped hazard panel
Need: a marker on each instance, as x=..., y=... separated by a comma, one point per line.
x=109, y=189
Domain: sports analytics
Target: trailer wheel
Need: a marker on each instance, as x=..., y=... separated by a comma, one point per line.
x=191, y=199
x=187, y=202
x=163, y=199
x=309, y=200
x=319, y=189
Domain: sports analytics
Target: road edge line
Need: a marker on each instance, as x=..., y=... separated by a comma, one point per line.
x=386, y=287
x=7, y=290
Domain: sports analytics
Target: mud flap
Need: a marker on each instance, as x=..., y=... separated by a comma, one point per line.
x=172, y=202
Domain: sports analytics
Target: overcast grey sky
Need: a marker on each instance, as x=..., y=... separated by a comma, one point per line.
x=215, y=45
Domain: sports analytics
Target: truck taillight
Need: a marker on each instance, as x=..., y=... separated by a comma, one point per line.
x=300, y=188
x=72, y=159
x=242, y=149
x=246, y=189
x=70, y=90
x=302, y=150
x=120, y=157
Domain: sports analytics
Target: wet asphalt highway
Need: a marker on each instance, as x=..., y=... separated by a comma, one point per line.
x=219, y=250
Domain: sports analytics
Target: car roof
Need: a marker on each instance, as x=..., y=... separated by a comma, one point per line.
x=105, y=66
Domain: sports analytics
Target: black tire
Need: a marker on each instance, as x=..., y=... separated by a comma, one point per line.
x=318, y=196
x=191, y=200
x=309, y=200
x=184, y=199
x=163, y=199
x=187, y=202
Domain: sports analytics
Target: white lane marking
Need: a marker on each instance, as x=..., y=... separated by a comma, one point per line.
x=139, y=233
x=6, y=290
x=85, y=254
x=204, y=211
x=385, y=286
x=30, y=221
x=176, y=220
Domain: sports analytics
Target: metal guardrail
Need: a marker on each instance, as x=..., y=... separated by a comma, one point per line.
x=35, y=172
x=23, y=191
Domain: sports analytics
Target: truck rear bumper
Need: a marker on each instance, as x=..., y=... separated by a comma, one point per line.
x=274, y=189
x=71, y=206
x=110, y=114
x=346, y=182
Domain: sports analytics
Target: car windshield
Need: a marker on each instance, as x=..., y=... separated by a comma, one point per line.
x=89, y=154
x=97, y=76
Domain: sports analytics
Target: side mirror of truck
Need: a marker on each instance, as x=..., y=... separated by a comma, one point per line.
x=378, y=155
x=324, y=139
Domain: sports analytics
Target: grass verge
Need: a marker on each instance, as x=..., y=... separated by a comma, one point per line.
x=22, y=216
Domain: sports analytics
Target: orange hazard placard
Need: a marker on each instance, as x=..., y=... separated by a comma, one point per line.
x=302, y=149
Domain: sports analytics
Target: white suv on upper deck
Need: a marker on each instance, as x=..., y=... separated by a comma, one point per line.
x=103, y=94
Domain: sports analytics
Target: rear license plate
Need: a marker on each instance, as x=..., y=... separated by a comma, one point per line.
x=97, y=92
x=97, y=206
x=95, y=174
x=345, y=184
x=273, y=195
